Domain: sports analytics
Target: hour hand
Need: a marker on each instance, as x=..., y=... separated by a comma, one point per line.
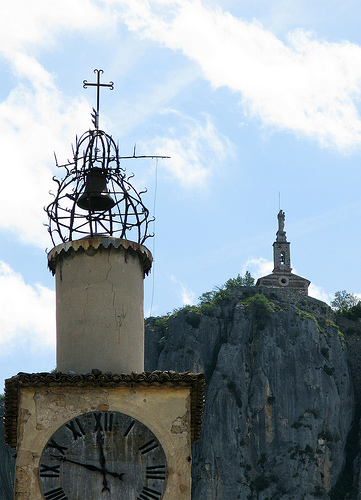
x=116, y=474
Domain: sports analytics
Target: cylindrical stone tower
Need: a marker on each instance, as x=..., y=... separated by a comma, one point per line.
x=94, y=428
x=99, y=304
x=98, y=224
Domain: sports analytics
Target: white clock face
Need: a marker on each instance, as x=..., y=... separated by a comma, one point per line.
x=103, y=456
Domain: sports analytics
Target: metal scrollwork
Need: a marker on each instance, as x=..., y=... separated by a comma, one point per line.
x=73, y=215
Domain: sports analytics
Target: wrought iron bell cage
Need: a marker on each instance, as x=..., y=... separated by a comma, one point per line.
x=95, y=198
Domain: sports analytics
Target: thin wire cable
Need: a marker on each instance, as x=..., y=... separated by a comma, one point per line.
x=153, y=250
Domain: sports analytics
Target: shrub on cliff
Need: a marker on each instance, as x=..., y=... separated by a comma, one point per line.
x=259, y=306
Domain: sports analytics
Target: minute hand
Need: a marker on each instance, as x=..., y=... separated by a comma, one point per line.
x=91, y=467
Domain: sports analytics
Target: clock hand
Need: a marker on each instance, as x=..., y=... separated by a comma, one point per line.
x=91, y=467
x=87, y=466
x=100, y=440
x=115, y=474
x=105, y=482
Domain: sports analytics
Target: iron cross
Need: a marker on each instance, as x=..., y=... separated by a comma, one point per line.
x=97, y=85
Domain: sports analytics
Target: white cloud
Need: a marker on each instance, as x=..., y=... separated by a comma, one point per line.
x=27, y=313
x=35, y=118
x=318, y=293
x=187, y=295
x=308, y=86
x=155, y=98
x=24, y=24
x=194, y=155
x=34, y=121
x=258, y=267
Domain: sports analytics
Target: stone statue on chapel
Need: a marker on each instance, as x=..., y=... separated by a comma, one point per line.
x=281, y=221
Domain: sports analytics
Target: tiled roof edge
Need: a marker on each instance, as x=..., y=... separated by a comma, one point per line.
x=196, y=382
x=105, y=242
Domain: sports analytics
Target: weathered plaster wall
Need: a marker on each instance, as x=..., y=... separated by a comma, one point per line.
x=99, y=310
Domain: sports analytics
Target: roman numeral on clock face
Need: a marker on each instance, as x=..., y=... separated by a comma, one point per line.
x=49, y=470
x=76, y=428
x=54, y=444
x=147, y=447
x=130, y=427
x=149, y=494
x=104, y=421
x=57, y=494
x=155, y=472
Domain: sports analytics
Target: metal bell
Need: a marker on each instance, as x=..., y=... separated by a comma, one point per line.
x=95, y=197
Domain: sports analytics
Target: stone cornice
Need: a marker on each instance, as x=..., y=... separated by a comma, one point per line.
x=86, y=244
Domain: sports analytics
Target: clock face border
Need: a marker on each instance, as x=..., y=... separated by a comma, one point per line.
x=104, y=455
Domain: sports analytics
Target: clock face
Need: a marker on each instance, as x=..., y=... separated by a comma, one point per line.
x=103, y=456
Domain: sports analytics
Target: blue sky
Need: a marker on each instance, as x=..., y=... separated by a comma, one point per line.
x=249, y=99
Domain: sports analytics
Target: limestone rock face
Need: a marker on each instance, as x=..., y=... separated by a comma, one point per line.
x=279, y=398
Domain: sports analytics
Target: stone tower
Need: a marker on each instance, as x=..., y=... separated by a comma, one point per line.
x=282, y=276
x=99, y=427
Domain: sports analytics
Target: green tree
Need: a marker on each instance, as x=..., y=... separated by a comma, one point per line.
x=245, y=280
x=248, y=280
x=224, y=292
x=343, y=301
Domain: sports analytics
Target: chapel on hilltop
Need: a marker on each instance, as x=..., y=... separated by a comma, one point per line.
x=282, y=276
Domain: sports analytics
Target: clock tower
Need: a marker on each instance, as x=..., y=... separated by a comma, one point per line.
x=99, y=427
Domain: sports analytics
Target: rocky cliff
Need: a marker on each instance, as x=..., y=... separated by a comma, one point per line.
x=279, y=399
x=280, y=419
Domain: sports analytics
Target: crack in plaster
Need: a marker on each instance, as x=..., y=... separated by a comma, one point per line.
x=118, y=317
